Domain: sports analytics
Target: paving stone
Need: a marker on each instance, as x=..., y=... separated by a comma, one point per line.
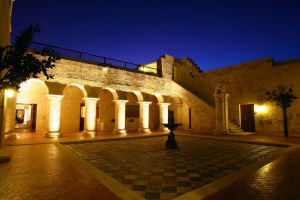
x=197, y=162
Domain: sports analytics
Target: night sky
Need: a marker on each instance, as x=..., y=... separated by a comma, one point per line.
x=213, y=33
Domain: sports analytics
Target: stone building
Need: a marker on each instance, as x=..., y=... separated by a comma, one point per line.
x=95, y=94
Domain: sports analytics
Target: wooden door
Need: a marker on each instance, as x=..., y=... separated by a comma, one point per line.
x=247, y=117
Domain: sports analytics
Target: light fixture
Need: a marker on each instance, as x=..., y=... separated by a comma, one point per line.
x=259, y=109
x=9, y=93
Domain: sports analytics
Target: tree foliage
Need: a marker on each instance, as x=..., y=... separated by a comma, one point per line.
x=18, y=64
x=283, y=97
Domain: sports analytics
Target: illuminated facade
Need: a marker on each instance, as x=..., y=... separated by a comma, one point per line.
x=94, y=99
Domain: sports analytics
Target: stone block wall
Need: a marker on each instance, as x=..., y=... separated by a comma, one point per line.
x=247, y=83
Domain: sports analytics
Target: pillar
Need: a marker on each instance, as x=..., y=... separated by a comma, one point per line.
x=54, y=109
x=221, y=106
x=144, y=117
x=90, y=116
x=163, y=115
x=120, y=110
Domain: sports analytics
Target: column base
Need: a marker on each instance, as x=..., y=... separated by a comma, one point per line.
x=119, y=131
x=90, y=133
x=144, y=130
x=53, y=134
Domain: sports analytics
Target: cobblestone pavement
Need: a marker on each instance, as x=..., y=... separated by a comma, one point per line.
x=145, y=166
x=279, y=180
x=38, y=172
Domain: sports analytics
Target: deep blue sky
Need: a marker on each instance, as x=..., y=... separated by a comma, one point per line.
x=213, y=33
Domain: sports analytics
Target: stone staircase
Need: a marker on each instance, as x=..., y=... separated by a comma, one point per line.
x=236, y=130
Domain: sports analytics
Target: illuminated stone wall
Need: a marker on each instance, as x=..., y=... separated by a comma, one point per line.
x=247, y=83
x=110, y=84
x=68, y=71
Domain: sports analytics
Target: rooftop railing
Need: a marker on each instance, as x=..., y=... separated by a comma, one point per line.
x=100, y=60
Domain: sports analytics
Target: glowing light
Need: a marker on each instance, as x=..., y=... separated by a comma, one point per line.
x=105, y=69
x=18, y=137
x=9, y=93
x=260, y=109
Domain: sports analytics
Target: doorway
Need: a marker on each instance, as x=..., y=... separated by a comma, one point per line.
x=247, y=117
x=26, y=116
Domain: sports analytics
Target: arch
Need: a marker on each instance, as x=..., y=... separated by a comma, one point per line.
x=176, y=99
x=106, y=119
x=32, y=101
x=71, y=112
x=26, y=84
x=159, y=98
x=139, y=95
x=81, y=87
x=113, y=92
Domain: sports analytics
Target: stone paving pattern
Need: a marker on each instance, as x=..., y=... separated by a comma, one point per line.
x=279, y=180
x=44, y=172
x=145, y=166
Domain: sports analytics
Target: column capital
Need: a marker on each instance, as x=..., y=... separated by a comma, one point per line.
x=164, y=104
x=120, y=101
x=144, y=102
x=54, y=96
x=90, y=98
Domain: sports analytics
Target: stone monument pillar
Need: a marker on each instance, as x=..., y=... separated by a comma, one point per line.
x=221, y=106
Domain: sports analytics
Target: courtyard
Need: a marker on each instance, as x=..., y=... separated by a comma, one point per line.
x=138, y=166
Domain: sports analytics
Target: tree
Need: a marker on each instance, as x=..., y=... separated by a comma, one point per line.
x=18, y=64
x=283, y=98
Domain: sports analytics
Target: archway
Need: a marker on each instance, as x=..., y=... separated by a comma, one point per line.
x=72, y=108
x=106, y=120
x=153, y=109
x=31, y=106
x=132, y=111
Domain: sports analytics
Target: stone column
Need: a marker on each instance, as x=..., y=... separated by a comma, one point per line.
x=221, y=102
x=144, y=117
x=163, y=115
x=90, y=116
x=120, y=110
x=54, y=108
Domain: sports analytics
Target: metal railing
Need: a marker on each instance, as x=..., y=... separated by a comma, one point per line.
x=103, y=61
